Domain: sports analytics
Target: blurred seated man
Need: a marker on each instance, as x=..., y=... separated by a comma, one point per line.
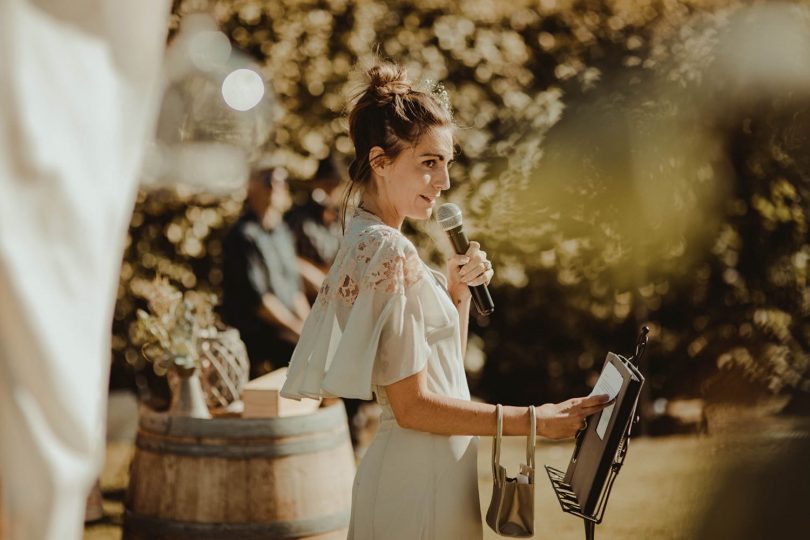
x=316, y=224
x=263, y=295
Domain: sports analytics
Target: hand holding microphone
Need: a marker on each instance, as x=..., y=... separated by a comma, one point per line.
x=469, y=270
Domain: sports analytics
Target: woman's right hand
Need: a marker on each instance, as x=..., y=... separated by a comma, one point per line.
x=563, y=420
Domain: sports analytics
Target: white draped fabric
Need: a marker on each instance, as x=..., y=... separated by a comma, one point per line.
x=78, y=89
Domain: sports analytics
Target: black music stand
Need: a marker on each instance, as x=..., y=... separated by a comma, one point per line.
x=585, y=493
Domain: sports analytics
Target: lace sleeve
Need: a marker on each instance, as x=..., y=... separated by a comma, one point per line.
x=396, y=266
x=368, y=327
x=382, y=261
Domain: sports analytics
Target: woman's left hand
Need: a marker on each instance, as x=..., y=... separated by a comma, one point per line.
x=468, y=270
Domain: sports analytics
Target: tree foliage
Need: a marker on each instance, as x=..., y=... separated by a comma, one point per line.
x=621, y=161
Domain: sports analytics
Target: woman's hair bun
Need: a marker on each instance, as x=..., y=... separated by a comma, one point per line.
x=387, y=80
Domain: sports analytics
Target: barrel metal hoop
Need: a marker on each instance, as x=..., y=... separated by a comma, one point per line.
x=324, y=441
x=286, y=426
x=139, y=526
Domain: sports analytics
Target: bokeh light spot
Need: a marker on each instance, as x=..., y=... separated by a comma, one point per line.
x=243, y=89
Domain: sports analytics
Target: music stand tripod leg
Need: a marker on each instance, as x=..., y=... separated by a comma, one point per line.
x=590, y=528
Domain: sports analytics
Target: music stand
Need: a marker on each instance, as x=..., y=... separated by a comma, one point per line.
x=583, y=490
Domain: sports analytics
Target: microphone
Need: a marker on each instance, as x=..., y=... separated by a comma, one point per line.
x=449, y=217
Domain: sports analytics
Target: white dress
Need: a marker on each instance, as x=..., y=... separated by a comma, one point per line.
x=383, y=315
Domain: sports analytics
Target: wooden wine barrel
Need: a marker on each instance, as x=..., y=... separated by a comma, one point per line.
x=235, y=478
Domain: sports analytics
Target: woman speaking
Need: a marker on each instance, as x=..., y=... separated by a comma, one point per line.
x=387, y=325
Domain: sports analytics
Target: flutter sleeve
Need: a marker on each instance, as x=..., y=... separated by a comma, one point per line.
x=367, y=327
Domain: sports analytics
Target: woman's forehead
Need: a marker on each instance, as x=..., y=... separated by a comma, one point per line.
x=437, y=141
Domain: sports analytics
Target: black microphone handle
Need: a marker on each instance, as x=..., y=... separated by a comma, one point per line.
x=480, y=294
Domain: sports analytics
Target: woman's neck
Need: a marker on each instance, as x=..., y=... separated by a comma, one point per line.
x=386, y=212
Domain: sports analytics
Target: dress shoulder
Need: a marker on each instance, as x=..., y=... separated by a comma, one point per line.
x=367, y=327
x=375, y=258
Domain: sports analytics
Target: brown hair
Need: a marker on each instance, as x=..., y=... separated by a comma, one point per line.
x=390, y=114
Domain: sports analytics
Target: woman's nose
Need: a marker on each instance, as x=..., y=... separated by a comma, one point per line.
x=442, y=179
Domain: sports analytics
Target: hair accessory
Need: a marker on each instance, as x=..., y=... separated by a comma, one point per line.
x=439, y=93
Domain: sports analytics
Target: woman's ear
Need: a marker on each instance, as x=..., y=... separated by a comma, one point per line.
x=377, y=160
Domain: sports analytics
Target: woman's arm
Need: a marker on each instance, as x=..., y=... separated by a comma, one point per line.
x=274, y=312
x=417, y=408
x=463, y=308
x=311, y=275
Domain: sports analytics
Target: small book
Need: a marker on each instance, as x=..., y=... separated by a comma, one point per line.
x=597, y=447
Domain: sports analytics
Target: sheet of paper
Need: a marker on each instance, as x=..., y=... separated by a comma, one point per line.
x=604, y=420
x=610, y=382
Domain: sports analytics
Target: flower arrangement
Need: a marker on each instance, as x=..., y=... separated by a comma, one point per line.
x=175, y=330
x=182, y=338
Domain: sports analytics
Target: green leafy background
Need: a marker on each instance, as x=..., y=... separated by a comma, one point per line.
x=614, y=161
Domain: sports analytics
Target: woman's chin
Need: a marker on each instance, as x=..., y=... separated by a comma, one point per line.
x=420, y=212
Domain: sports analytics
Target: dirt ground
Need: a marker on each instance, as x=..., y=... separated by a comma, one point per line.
x=662, y=492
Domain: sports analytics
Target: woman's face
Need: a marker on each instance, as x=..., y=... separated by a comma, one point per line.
x=417, y=176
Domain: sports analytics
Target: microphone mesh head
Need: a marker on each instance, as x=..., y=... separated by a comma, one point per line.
x=449, y=216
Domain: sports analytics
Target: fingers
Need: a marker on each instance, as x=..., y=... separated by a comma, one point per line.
x=481, y=279
x=473, y=248
x=570, y=418
x=476, y=264
x=562, y=420
x=587, y=402
x=582, y=407
x=593, y=404
x=595, y=401
x=574, y=428
x=458, y=260
x=477, y=270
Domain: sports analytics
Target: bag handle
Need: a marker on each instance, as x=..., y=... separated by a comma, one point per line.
x=531, y=440
x=496, y=447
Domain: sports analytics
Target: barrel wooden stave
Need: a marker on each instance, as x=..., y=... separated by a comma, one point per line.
x=266, y=484
x=176, y=491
